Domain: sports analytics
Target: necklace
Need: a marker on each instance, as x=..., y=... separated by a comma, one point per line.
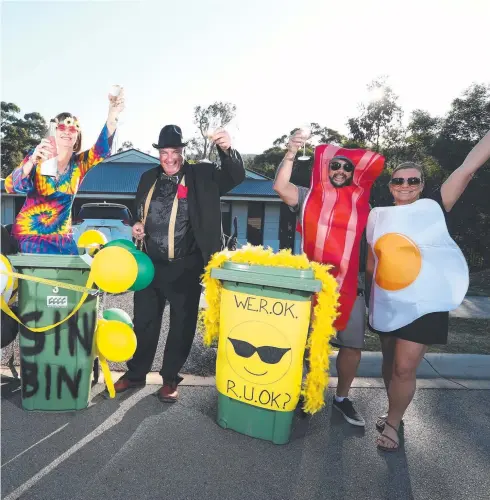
x=61, y=173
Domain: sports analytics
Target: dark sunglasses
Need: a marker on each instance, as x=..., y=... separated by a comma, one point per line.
x=268, y=354
x=346, y=167
x=411, y=181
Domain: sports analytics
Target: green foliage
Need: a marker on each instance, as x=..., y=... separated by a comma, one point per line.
x=267, y=162
x=439, y=144
x=18, y=135
x=379, y=121
x=125, y=146
x=218, y=114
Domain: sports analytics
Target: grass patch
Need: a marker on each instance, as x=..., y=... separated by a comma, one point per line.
x=480, y=283
x=466, y=336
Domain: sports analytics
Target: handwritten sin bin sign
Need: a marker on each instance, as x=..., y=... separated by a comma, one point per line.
x=55, y=366
x=261, y=348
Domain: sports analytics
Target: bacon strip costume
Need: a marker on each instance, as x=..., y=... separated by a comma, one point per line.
x=333, y=219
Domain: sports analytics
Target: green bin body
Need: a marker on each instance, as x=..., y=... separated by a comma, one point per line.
x=56, y=365
x=271, y=283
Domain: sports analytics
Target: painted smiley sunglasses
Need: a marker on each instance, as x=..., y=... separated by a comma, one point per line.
x=268, y=354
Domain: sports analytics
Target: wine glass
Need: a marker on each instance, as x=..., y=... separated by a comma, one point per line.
x=213, y=125
x=305, y=134
x=114, y=91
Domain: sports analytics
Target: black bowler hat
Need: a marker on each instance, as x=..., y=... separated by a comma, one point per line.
x=170, y=137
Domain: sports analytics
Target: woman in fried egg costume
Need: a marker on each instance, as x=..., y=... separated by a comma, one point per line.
x=417, y=275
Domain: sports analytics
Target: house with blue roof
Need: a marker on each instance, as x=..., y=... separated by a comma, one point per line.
x=262, y=219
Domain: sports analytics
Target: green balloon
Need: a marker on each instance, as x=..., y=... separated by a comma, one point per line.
x=121, y=243
x=117, y=315
x=146, y=271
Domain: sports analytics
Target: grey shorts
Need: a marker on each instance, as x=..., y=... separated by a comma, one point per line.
x=353, y=335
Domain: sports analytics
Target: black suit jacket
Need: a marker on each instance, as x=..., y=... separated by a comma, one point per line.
x=206, y=184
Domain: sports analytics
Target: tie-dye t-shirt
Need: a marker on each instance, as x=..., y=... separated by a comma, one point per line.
x=43, y=225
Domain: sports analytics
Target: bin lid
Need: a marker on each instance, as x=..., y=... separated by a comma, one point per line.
x=20, y=260
x=276, y=277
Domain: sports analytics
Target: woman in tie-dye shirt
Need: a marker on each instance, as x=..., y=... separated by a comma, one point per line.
x=43, y=225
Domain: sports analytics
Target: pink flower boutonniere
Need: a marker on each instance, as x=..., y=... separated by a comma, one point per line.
x=181, y=192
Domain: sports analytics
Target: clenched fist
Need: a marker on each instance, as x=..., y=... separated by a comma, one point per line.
x=296, y=141
x=138, y=231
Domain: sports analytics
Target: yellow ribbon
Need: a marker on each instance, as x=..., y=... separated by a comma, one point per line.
x=107, y=376
x=87, y=289
x=6, y=309
x=77, y=288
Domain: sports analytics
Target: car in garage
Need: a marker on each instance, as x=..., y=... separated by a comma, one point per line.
x=111, y=219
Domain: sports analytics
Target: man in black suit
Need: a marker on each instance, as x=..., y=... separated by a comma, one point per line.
x=179, y=212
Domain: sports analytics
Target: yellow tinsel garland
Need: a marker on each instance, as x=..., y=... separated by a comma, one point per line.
x=324, y=313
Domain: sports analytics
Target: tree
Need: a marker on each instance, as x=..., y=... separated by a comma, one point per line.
x=218, y=114
x=441, y=144
x=125, y=146
x=267, y=162
x=422, y=132
x=18, y=135
x=464, y=125
x=379, y=122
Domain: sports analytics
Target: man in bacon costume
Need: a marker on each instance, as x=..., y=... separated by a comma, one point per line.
x=333, y=214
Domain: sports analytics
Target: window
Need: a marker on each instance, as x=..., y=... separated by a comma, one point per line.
x=287, y=227
x=255, y=223
x=226, y=217
x=104, y=212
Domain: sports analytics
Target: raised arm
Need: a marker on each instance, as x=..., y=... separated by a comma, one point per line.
x=102, y=148
x=232, y=171
x=21, y=179
x=282, y=185
x=457, y=182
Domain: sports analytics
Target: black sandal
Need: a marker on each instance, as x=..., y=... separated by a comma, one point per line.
x=386, y=448
x=380, y=423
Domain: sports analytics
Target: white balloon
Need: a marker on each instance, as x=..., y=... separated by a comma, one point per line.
x=7, y=294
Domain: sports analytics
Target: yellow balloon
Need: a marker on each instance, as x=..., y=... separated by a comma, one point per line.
x=114, y=269
x=116, y=341
x=6, y=281
x=91, y=239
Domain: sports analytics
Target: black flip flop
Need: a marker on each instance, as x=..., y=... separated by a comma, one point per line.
x=386, y=448
x=380, y=423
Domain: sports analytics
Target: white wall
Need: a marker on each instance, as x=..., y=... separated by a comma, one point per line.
x=8, y=210
x=239, y=209
x=271, y=226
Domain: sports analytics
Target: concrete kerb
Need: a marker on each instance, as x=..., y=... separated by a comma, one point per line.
x=469, y=370
x=451, y=366
x=433, y=366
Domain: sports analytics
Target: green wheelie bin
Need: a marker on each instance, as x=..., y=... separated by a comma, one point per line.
x=264, y=322
x=56, y=365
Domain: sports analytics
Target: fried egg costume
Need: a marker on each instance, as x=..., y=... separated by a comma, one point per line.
x=419, y=269
x=334, y=218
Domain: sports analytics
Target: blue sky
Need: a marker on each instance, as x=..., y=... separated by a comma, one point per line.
x=282, y=62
